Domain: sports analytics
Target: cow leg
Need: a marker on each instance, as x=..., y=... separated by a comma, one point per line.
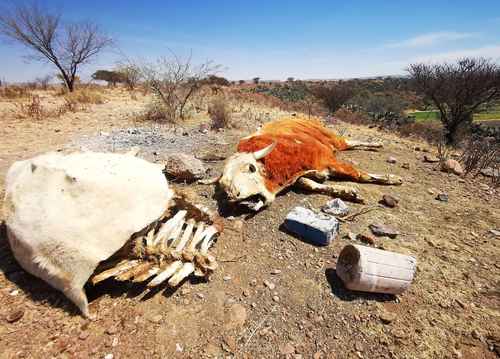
x=343, y=192
x=351, y=144
x=347, y=171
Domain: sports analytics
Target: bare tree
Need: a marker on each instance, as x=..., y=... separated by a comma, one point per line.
x=67, y=46
x=333, y=96
x=457, y=89
x=43, y=81
x=131, y=75
x=173, y=81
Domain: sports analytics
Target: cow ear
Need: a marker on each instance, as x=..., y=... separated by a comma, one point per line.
x=264, y=152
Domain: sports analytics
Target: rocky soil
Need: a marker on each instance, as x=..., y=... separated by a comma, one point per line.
x=274, y=295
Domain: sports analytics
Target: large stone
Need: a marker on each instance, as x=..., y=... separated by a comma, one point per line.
x=183, y=167
x=490, y=172
x=66, y=213
x=452, y=166
x=317, y=228
x=431, y=158
x=382, y=230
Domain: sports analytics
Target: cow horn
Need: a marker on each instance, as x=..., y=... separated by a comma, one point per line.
x=264, y=152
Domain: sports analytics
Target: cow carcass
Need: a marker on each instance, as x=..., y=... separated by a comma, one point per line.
x=289, y=151
x=102, y=215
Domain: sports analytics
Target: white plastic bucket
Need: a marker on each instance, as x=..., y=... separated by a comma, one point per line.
x=369, y=269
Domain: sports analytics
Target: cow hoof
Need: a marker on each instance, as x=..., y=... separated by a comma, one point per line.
x=394, y=180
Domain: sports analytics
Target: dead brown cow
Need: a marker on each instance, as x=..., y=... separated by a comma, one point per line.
x=291, y=151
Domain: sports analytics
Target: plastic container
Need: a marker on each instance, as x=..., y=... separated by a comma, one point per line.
x=369, y=269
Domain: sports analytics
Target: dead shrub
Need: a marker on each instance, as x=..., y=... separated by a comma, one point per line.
x=32, y=109
x=85, y=96
x=480, y=154
x=346, y=115
x=220, y=115
x=157, y=112
x=14, y=91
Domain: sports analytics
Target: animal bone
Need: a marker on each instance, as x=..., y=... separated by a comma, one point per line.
x=103, y=215
x=168, y=253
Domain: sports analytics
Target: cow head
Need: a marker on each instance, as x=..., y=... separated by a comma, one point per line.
x=243, y=179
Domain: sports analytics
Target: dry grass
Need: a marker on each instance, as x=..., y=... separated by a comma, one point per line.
x=86, y=96
x=220, y=114
x=32, y=109
x=12, y=92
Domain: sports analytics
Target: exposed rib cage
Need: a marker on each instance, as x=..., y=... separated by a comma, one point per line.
x=169, y=251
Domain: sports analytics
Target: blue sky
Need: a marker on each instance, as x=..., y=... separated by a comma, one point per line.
x=278, y=39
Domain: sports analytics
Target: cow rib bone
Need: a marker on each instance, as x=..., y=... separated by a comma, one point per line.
x=175, y=250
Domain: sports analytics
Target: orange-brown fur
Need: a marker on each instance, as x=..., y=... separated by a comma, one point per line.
x=301, y=145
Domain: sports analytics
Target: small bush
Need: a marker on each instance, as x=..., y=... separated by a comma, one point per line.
x=85, y=96
x=333, y=96
x=157, y=112
x=32, y=109
x=480, y=154
x=220, y=115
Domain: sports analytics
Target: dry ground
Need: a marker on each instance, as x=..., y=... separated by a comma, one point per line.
x=450, y=311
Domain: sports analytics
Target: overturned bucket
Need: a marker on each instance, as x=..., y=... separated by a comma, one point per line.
x=369, y=269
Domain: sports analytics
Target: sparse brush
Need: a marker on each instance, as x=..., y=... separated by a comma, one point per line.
x=480, y=154
x=32, y=109
x=220, y=115
x=85, y=96
x=14, y=91
x=156, y=112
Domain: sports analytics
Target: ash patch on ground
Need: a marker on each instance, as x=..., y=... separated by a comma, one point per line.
x=155, y=142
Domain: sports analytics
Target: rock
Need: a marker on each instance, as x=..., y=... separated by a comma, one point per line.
x=156, y=318
x=109, y=356
x=15, y=315
x=392, y=160
x=204, y=128
x=387, y=317
x=430, y=158
x=81, y=199
x=351, y=236
x=389, y=201
x=276, y=271
x=382, y=230
x=452, y=166
x=112, y=330
x=406, y=165
x=319, y=229
x=287, y=349
x=83, y=335
x=365, y=239
x=184, y=168
x=495, y=232
x=276, y=298
x=430, y=191
x=336, y=207
x=269, y=284
x=235, y=317
x=226, y=278
x=443, y=197
x=490, y=172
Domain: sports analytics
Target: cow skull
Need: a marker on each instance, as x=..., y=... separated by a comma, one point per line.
x=243, y=179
